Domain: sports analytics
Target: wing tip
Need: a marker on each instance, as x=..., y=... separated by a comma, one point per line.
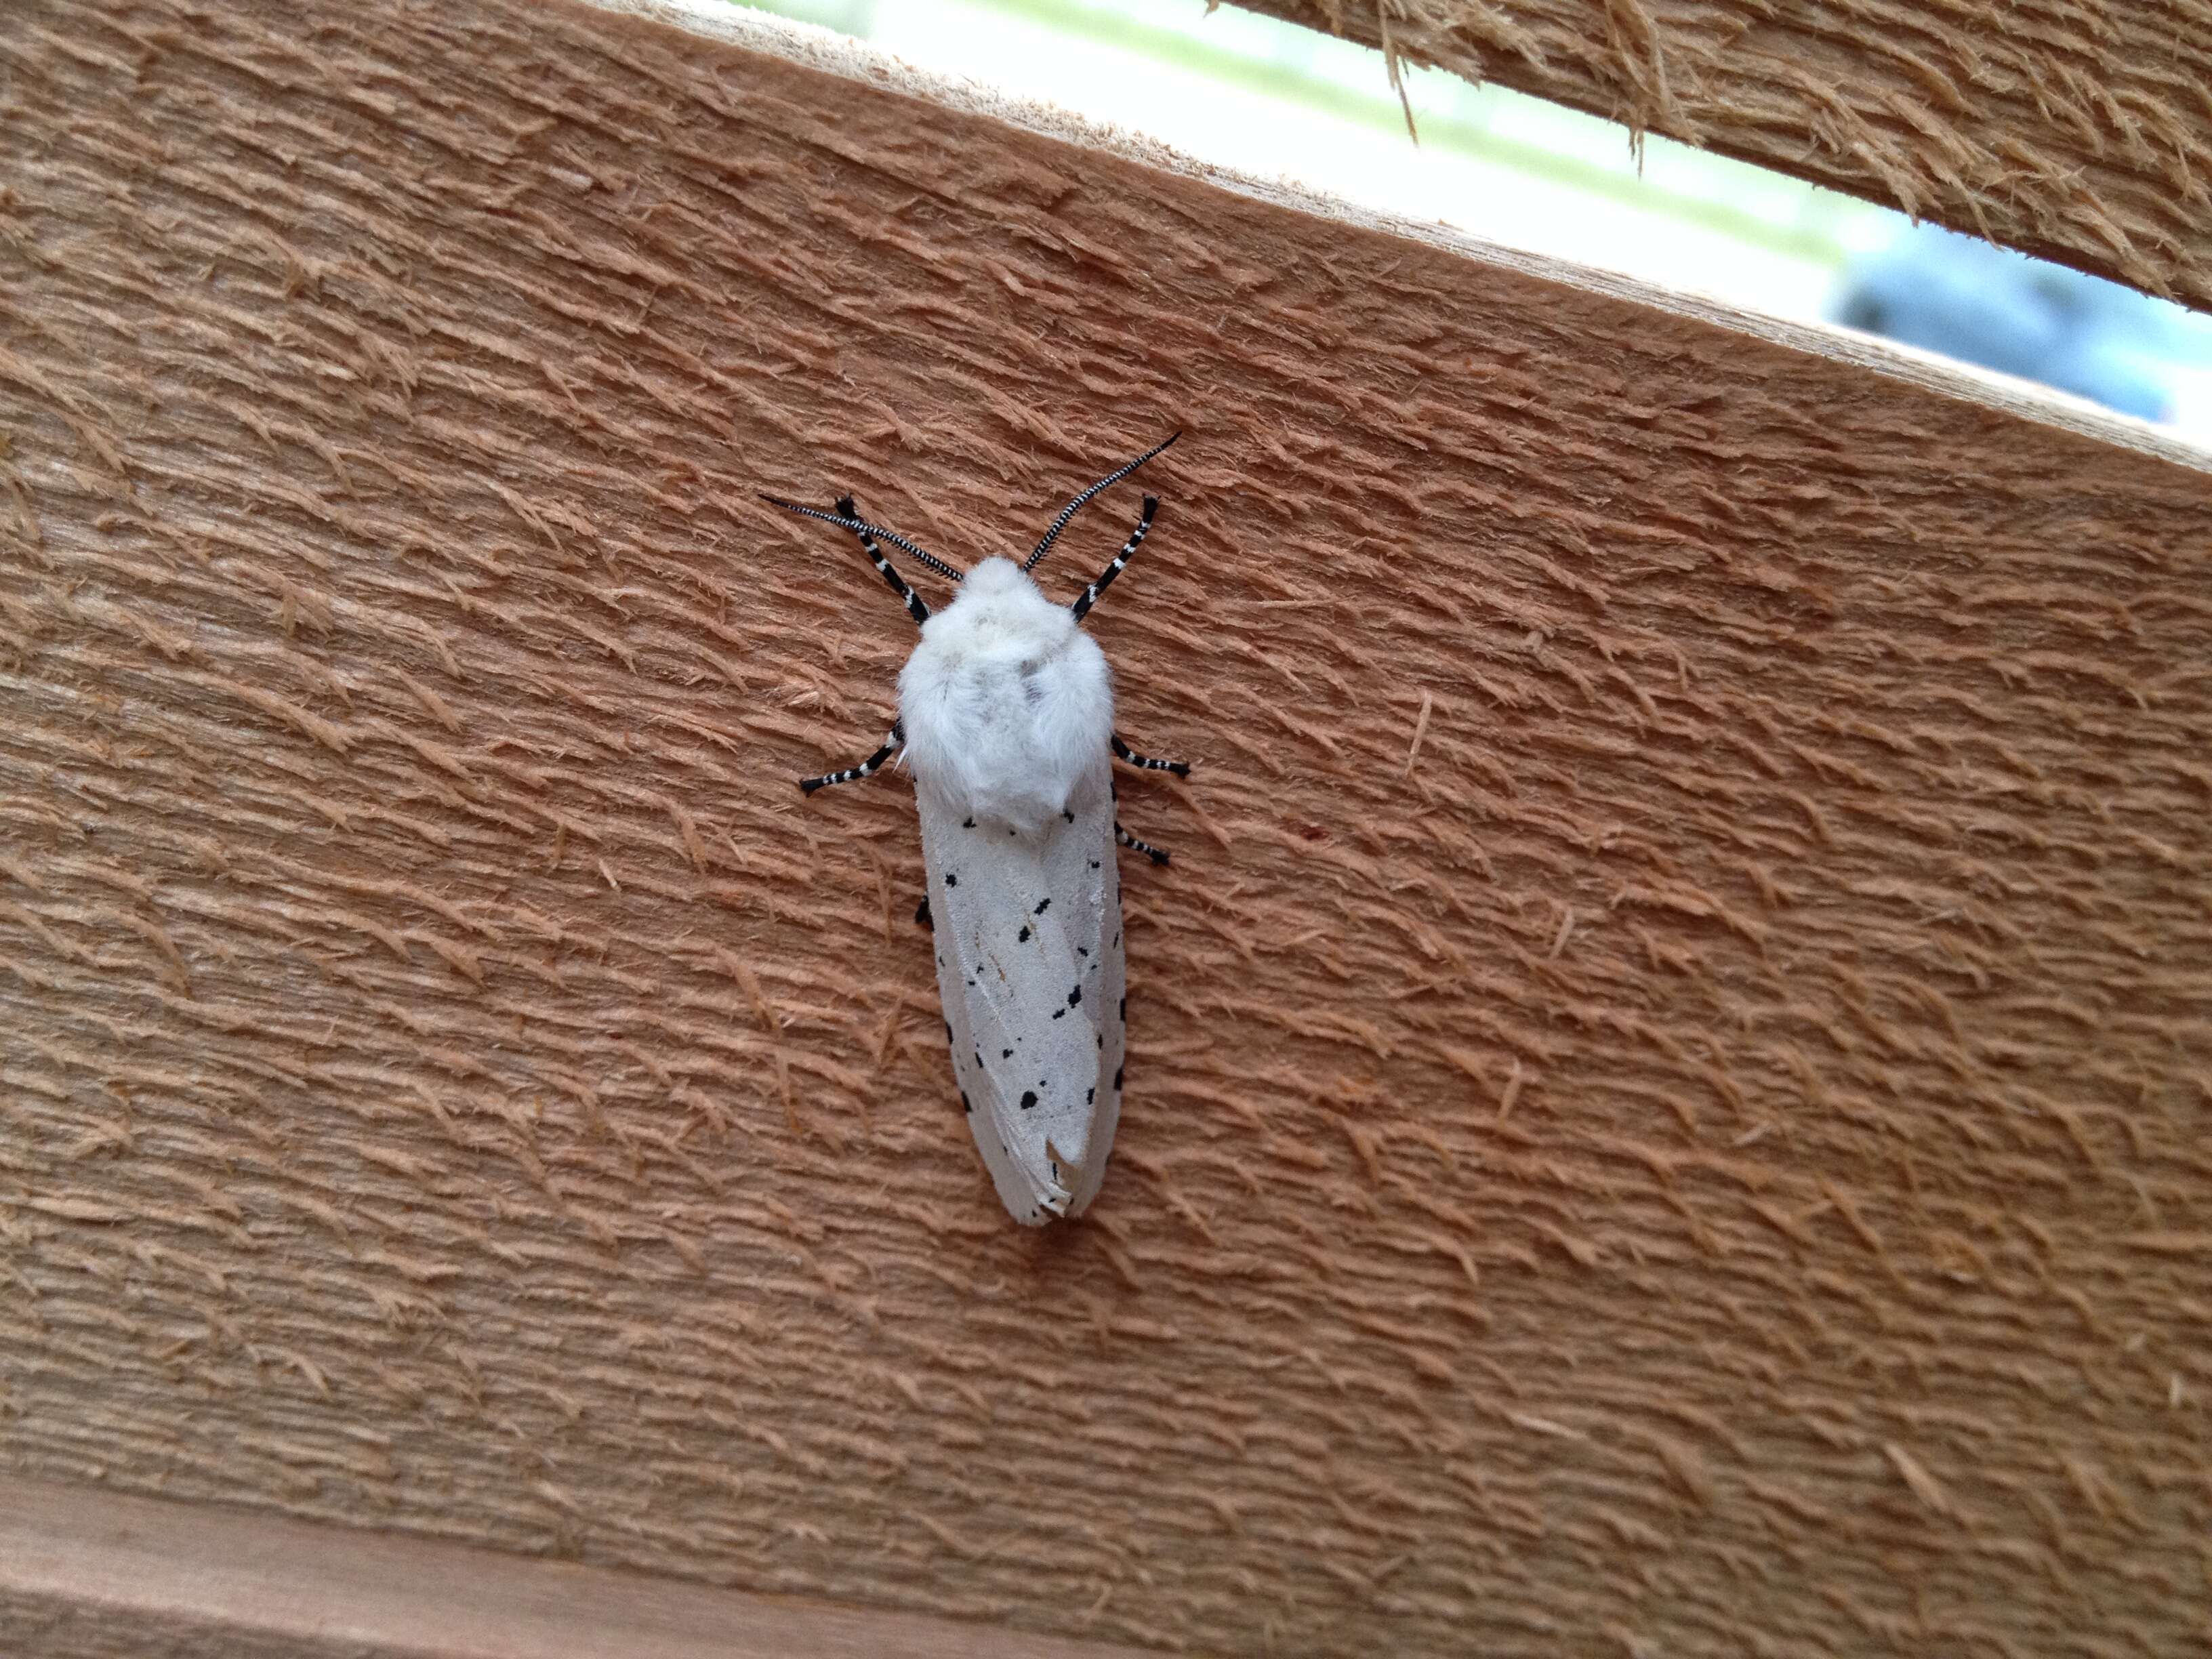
x=1050, y=1205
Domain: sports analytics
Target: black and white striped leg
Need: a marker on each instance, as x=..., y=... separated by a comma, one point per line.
x=1082, y=606
x=855, y=774
x=1135, y=845
x=912, y=600
x=1145, y=763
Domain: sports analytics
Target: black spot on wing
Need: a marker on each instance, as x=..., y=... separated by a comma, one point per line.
x=967, y=823
x=1117, y=1078
x=1006, y=1053
x=1044, y=905
x=1059, y=1013
x=966, y=1105
x=1088, y=1095
x=1069, y=816
x=1023, y=938
x=1075, y=996
x=1029, y=1099
x=951, y=878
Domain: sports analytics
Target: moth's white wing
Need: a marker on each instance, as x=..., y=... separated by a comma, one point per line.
x=1082, y=860
x=1029, y=965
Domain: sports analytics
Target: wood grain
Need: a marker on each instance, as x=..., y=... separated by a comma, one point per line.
x=1669, y=1106
x=88, y=1575
x=2082, y=132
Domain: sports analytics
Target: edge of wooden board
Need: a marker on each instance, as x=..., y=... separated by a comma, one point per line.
x=845, y=56
x=99, y=1572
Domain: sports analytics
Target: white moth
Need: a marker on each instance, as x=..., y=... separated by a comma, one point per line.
x=1006, y=718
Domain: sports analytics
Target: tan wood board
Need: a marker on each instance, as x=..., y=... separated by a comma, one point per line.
x=85, y=1574
x=1668, y=1099
x=2081, y=133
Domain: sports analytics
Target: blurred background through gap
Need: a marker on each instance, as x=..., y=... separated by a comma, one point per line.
x=1273, y=100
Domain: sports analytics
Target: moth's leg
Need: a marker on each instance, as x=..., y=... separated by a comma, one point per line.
x=912, y=600
x=1136, y=845
x=1082, y=606
x=853, y=774
x=1145, y=763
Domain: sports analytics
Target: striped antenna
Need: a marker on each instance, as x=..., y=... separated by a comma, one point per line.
x=1069, y=511
x=930, y=560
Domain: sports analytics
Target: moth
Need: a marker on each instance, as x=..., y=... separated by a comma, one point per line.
x=1005, y=716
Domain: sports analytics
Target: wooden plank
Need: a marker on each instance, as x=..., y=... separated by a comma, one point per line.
x=85, y=1575
x=2080, y=133
x=1667, y=1105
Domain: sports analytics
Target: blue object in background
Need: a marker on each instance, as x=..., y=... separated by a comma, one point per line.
x=1944, y=292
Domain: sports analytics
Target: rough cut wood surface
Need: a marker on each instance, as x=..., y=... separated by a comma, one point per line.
x=2078, y=129
x=1669, y=1101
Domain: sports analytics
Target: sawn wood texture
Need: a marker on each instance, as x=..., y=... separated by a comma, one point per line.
x=1669, y=1104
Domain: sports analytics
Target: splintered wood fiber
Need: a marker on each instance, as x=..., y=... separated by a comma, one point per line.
x=2078, y=129
x=1668, y=1104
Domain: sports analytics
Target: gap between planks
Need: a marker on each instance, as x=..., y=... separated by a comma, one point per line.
x=104, y=1572
x=834, y=53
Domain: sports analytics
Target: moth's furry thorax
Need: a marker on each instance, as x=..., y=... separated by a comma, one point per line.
x=1006, y=701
